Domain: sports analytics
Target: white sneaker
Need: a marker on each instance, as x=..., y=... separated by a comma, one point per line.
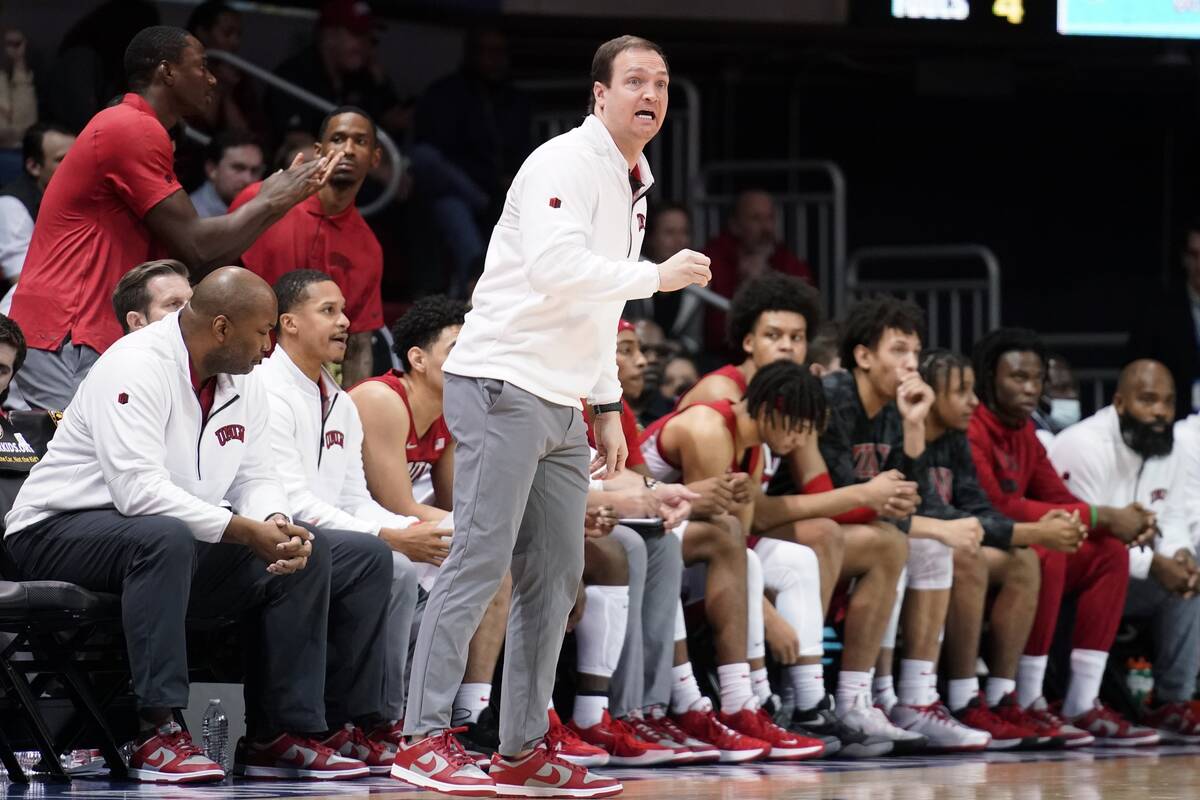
x=864, y=718
x=943, y=731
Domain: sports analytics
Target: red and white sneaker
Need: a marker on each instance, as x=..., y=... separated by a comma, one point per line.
x=1052, y=731
x=562, y=742
x=680, y=753
x=1005, y=735
x=702, y=752
x=169, y=756
x=352, y=743
x=784, y=745
x=288, y=756
x=389, y=734
x=622, y=744
x=1177, y=723
x=1113, y=730
x=439, y=762
x=543, y=774
x=734, y=747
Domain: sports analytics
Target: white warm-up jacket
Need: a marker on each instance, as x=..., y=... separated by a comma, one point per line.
x=133, y=440
x=319, y=458
x=562, y=261
x=1099, y=468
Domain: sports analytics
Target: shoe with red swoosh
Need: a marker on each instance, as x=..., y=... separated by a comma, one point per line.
x=543, y=774
x=352, y=742
x=169, y=756
x=440, y=762
x=288, y=756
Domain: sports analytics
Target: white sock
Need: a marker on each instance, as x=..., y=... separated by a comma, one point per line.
x=600, y=634
x=913, y=687
x=998, y=688
x=961, y=691
x=1087, y=671
x=472, y=698
x=589, y=709
x=685, y=692
x=756, y=636
x=1031, y=672
x=851, y=686
x=550, y=705
x=760, y=684
x=808, y=683
x=736, y=691
x=883, y=692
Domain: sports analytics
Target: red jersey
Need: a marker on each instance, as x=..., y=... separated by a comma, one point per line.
x=89, y=229
x=664, y=469
x=728, y=371
x=1015, y=472
x=342, y=246
x=629, y=427
x=422, y=451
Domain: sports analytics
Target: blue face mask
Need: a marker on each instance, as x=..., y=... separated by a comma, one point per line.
x=1064, y=413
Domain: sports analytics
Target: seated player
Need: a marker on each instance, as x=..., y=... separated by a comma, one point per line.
x=1022, y=484
x=158, y=486
x=149, y=292
x=1127, y=453
x=325, y=484
x=1004, y=563
x=408, y=458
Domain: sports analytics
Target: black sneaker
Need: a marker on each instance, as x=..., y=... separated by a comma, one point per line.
x=822, y=723
x=481, y=739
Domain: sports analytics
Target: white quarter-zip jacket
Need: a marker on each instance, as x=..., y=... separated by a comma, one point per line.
x=562, y=261
x=133, y=439
x=318, y=456
x=1099, y=468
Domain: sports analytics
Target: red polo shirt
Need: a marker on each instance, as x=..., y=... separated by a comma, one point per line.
x=89, y=229
x=343, y=246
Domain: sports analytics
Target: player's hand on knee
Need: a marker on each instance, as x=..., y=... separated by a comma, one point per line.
x=685, y=268
x=287, y=566
x=423, y=542
x=963, y=534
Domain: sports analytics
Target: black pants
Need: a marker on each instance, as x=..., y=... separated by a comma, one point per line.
x=165, y=575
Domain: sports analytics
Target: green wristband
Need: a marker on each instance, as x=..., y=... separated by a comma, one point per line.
x=1095, y=516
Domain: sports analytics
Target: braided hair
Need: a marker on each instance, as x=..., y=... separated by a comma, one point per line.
x=789, y=394
x=991, y=348
x=938, y=366
x=772, y=291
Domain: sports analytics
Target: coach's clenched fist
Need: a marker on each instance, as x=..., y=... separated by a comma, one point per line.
x=685, y=268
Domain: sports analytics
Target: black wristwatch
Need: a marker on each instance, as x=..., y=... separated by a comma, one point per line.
x=604, y=408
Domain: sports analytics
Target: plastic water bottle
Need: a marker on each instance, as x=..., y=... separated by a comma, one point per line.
x=216, y=734
x=1139, y=679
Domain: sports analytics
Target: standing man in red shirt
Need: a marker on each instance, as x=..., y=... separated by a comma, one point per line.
x=115, y=202
x=326, y=233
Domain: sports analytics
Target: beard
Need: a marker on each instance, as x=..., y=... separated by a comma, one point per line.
x=1143, y=437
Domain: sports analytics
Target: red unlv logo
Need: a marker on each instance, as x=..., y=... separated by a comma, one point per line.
x=868, y=458
x=334, y=437
x=943, y=482
x=231, y=432
x=1158, y=494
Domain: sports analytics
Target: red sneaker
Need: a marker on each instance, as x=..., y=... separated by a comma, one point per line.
x=1051, y=730
x=351, y=742
x=1005, y=735
x=644, y=731
x=622, y=744
x=288, y=756
x=734, y=747
x=1177, y=723
x=390, y=735
x=702, y=752
x=439, y=762
x=562, y=742
x=784, y=745
x=542, y=774
x=1113, y=730
x=169, y=756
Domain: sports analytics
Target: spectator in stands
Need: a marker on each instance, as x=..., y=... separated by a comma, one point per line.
x=234, y=161
x=115, y=202
x=1059, y=407
x=1127, y=453
x=18, y=99
x=1023, y=485
x=337, y=67
x=326, y=233
x=218, y=26
x=668, y=230
x=106, y=509
x=823, y=357
x=149, y=292
x=1166, y=325
x=89, y=68
x=43, y=148
x=748, y=246
x=12, y=354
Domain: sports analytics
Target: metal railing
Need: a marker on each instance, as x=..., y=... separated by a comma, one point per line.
x=950, y=303
x=810, y=202
x=674, y=154
x=1096, y=382
x=271, y=79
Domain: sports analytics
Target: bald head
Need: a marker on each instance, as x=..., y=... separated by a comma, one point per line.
x=228, y=322
x=1144, y=372
x=1145, y=402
